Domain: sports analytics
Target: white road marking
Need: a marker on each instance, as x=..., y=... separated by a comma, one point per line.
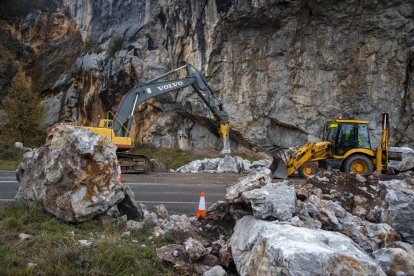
x=137, y=183
x=170, y=202
x=140, y=201
x=6, y=200
x=170, y=184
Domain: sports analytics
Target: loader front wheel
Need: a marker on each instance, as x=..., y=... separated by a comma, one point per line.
x=358, y=164
x=308, y=169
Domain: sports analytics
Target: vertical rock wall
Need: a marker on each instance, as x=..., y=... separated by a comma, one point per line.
x=281, y=68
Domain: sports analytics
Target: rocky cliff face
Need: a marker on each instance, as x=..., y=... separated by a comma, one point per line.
x=281, y=68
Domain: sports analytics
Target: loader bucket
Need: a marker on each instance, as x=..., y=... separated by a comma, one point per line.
x=279, y=168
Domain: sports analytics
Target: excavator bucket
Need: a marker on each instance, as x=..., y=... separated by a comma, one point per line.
x=224, y=133
x=279, y=168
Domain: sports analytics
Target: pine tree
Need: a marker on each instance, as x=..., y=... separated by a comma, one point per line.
x=21, y=114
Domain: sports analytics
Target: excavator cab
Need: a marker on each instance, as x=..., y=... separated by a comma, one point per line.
x=106, y=123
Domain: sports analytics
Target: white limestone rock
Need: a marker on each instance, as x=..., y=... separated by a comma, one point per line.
x=396, y=206
x=72, y=177
x=256, y=179
x=273, y=201
x=407, y=159
x=266, y=248
x=395, y=261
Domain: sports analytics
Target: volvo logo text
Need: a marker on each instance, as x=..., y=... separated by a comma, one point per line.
x=170, y=85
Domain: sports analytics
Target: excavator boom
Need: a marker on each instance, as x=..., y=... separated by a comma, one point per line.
x=118, y=128
x=154, y=87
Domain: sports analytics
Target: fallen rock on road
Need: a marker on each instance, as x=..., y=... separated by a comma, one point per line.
x=73, y=176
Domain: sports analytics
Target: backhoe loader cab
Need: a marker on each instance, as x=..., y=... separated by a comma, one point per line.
x=345, y=135
x=346, y=146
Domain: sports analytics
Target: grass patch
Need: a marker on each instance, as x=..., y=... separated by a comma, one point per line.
x=10, y=157
x=175, y=158
x=172, y=158
x=54, y=247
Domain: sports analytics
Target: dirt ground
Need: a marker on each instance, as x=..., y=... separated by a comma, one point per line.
x=345, y=187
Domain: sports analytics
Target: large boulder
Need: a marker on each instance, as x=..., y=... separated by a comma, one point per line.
x=266, y=248
x=256, y=178
x=273, y=201
x=395, y=261
x=73, y=176
x=396, y=206
x=407, y=158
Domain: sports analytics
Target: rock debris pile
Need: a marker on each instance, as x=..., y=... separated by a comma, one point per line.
x=227, y=164
x=335, y=223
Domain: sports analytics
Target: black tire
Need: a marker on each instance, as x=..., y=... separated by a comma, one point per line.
x=308, y=169
x=351, y=163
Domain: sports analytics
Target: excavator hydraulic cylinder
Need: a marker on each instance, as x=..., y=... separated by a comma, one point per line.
x=378, y=160
x=224, y=130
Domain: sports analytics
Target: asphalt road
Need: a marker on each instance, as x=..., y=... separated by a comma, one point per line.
x=179, y=192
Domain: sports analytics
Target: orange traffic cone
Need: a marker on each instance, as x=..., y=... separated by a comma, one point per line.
x=119, y=172
x=201, y=206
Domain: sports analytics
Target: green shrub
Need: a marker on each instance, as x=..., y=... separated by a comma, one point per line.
x=10, y=152
x=10, y=157
x=115, y=46
x=22, y=114
x=93, y=46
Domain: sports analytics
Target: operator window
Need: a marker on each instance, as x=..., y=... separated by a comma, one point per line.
x=346, y=138
x=333, y=128
x=363, y=137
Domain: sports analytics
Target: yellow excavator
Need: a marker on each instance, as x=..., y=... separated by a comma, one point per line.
x=118, y=126
x=345, y=145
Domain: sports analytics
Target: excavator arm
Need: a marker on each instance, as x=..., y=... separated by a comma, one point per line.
x=155, y=87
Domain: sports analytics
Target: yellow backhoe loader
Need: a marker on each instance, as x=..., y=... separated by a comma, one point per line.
x=118, y=126
x=345, y=145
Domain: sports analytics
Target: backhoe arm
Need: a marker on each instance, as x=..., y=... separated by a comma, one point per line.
x=382, y=152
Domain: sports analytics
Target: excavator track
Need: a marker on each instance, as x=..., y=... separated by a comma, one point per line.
x=134, y=163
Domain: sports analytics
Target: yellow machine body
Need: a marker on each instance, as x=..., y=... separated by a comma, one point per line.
x=311, y=152
x=356, y=157
x=105, y=128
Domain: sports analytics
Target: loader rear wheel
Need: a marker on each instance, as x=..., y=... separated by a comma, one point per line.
x=308, y=169
x=358, y=164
